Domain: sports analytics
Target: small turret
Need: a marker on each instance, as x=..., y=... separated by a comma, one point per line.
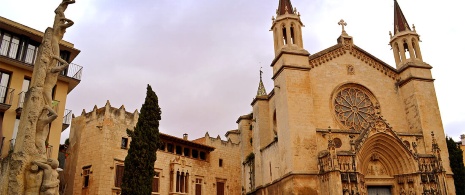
x=287, y=28
x=404, y=42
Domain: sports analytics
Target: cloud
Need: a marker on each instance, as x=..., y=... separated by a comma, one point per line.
x=202, y=57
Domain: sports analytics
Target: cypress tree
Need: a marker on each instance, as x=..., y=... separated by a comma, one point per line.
x=456, y=164
x=139, y=163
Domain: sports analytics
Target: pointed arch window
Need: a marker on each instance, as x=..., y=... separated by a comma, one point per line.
x=284, y=35
x=292, y=34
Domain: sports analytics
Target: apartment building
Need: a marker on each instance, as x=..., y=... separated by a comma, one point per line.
x=18, y=51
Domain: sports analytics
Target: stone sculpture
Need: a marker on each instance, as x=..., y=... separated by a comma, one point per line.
x=29, y=171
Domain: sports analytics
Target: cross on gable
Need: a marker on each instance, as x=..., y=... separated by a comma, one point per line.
x=342, y=23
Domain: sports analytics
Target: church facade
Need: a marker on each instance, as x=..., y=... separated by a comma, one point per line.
x=341, y=121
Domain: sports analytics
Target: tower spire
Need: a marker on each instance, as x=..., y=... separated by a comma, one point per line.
x=400, y=23
x=261, y=88
x=405, y=42
x=284, y=7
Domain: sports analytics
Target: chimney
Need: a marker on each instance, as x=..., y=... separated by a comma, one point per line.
x=462, y=137
x=184, y=136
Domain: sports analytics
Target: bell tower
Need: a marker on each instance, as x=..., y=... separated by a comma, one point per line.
x=405, y=41
x=287, y=28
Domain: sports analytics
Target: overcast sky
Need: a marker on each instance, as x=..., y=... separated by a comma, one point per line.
x=202, y=57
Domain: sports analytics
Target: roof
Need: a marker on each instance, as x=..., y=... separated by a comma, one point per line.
x=284, y=6
x=185, y=142
x=400, y=23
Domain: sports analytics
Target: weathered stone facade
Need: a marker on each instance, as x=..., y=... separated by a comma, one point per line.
x=341, y=121
x=98, y=147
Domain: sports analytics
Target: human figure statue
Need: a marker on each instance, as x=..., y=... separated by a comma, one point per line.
x=50, y=181
x=60, y=24
x=45, y=118
x=52, y=78
x=33, y=180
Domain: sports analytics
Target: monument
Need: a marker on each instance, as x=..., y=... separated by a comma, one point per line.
x=28, y=171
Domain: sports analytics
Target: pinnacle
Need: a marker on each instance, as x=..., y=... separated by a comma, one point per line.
x=400, y=23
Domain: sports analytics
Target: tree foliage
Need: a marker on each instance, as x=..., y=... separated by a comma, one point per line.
x=456, y=164
x=139, y=163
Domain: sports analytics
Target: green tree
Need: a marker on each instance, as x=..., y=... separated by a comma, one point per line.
x=139, y=163
x=456, y=164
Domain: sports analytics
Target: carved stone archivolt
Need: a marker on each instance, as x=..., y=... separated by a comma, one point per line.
x=354, y=106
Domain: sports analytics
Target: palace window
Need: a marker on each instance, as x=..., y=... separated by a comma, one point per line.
x=198, y=186
x=124, y=143
x=156, y=183
x=195, y=154
x=219, y=188
x=119, y=175
x=86, y=176
x=170, y=147
x=187, y=152
x=203, y=156
x=182, y=182
x=179, y=150
x=220, y=163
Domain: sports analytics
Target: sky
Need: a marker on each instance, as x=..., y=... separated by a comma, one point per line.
x=202, y=57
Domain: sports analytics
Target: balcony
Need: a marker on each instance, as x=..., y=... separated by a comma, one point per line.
x=6, y=97
x=18, y=52
x=66, y=119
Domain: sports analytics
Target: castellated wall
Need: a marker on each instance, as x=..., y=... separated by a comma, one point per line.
x=97, y=150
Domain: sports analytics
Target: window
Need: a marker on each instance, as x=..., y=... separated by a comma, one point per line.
x=219, y=188
x=179, y=150
x=119, y=175
x=31, y=53
x=187, y=152
x=156, y=182
x=170, y=147
x=203, y=156
x=86, y=176
x=161, y=146
x=198, y=186
x=124, y=143
x=220, y=162
x=9, y=45
x=195, y=154
x=4, y=81
x=15, y=132
x=182, y=182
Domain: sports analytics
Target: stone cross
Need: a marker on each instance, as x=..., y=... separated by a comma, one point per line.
x=342, y=23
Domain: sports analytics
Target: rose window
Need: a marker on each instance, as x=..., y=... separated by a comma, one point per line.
x=354, y=107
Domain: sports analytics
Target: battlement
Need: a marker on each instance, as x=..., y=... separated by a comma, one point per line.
x=108, y=112
x=216, y=142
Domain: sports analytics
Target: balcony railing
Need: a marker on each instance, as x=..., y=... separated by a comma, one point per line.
x=6, y=97
x=66, y=119
x=12, y=50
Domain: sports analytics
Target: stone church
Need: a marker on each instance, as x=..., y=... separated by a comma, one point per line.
x=341, y=121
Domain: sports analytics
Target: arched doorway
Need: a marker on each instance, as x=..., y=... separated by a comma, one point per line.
x=381, y=159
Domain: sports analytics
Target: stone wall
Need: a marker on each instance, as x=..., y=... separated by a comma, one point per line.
x=96, y=144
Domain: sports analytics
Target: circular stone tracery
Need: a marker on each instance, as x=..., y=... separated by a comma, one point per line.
x=354, y=107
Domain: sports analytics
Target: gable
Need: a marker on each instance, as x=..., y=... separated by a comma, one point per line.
x=338, y=50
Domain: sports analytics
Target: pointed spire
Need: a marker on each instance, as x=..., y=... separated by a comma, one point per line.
x=400, y=23
x=261, y=88
x=285, y=7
